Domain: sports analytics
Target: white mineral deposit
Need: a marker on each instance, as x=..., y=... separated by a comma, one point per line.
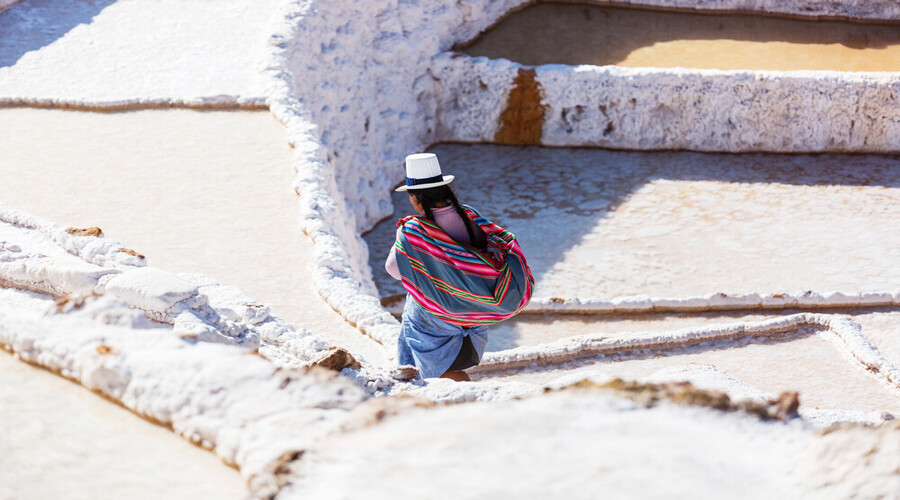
x=197, y=202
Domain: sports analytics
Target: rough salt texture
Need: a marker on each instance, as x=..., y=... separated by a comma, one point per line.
x=222, y=396
x=854, y=462
x=351, y=93
x=252, y=412
x=692, y=450
x=135, y=54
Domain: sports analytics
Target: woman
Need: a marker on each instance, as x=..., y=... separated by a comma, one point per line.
x=461, y=271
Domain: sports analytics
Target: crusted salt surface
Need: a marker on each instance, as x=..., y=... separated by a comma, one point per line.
x=710, y=377
x=325, y=51
x=44, y=274
x=559, y=458
x=150, y=288
x=228, y=301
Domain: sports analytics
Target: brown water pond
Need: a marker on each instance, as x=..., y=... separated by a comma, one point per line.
x=577, y=34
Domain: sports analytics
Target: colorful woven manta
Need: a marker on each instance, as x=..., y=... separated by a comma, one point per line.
x=457, y=282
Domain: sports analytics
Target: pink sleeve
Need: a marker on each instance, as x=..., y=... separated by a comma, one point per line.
x=390, y=265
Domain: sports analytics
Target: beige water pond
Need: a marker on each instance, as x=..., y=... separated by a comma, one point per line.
x=598, y=223
x=800, y=361
x=60, y=440
x=576, y=34
x=193, y=191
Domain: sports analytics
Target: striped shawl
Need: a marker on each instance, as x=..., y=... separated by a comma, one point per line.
x=457, y=282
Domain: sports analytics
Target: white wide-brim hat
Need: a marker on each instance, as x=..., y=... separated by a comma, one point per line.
x=423, y=171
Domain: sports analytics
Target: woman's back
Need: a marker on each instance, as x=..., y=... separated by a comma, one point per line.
x=455, y=227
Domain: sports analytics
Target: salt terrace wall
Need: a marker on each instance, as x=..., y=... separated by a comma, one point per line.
x=701, y=110
x=361, y=84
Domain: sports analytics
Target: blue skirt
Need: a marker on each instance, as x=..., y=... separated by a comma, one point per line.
x=432, y=344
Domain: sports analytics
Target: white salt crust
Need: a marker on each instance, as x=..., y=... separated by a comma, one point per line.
x=355, y=96
x=842, y=333
x=347, y=131
x=262, y=416
x=342, y=86
x=97, y=251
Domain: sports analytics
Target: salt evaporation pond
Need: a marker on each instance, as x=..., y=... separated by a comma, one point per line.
x=597, y=223
x=195, y=192
x=798, y=361
x=576, y=34
x=52, y=424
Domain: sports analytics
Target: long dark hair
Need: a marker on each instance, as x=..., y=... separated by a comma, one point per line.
x=432, y=197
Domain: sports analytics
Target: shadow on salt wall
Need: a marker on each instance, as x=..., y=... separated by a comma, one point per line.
x=551, y=197
x=34, y=24
x=575, y=34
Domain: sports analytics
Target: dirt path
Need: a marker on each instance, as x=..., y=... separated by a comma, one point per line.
x=580, y=34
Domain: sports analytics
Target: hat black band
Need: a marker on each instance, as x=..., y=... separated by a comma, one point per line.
x=415, y=182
